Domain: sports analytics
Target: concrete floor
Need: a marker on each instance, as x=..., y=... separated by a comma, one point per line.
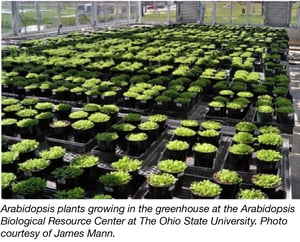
x=294, y=68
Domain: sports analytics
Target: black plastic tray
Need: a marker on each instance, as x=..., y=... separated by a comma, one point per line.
x=284, y=127
x=195, y=173
x=70, y=145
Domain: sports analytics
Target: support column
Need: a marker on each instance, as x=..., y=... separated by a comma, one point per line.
x=58, y=8
x=76, y=12
x=201, y=12
x=213, y=14
x=128, y=11
x=38, y=15
x=230, y=21
x=15, y=14
x=139, y=11
x=94, y=19
x=248, y=12
x=168, y=12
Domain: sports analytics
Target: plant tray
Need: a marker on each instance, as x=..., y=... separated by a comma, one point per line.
x=232, y=121
x=284, y=127
x=194, y=173
x=40, y=136
x=185, y=193
x=70, y=145
x=110, y=157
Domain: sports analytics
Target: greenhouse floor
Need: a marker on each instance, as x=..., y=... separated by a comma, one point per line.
x=294, y=61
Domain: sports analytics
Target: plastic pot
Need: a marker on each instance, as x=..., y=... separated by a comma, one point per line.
x=165, y=192
x=267, y=166
x=239, y=162
x=204, y=159
x=136, y=147
x=118, y=192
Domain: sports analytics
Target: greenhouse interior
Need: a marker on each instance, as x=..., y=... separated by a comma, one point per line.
x=150, y=99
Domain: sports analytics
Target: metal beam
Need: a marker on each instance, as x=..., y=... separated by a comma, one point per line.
x=15, y=14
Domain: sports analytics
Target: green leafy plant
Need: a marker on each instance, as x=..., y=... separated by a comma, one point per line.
x=265, y=97
x=269, y=129
x=26, y=113
x=241, y=149
x=27, y=122
x=109, y=93
x=132, y=117
x=91, y=107
x=185, y=132
x=251, y=194
x=161, y=180
x=61, y=123
x=102, y=196
x=7, y=178
x=8, y=121
x=35, y=164
x=137, y=136
x=245, y=126
x=158, y=117
x=265, y=109
x=63, y=107
x=75, y=193
x=29, y=186
x=107, y=136
x=177, y=145
x=182, y=100
x=286, y=109
x=234, y=105
x=9, y=101
x=209, y=133
x=84, y=161
x=204, y=148
x=189, y=123
x=163, y=99
x=283, y=102
x=77, y=90
x=9, y=157
x=130, y=94
x=172, y=166
x=54, y=152
x=79, y=115
x=44, y=115
x=228, y=177
x=123, y=127
x=109, y=108
x=226, y=92
x=115, y=178
x=83, y=125
x=25, y=145
x=99, y=117
x=263, y=103
x=266, y=180
x=268, y=155
x=127, y=163
x=211, y=124
x=44, y=106
x=221, y=99
x=205, y=188
x=243, y=137
x=245, y=94
x=66, y=172
x=12, y=108
x=270, y=139
x=216, y=104
x=148, y=125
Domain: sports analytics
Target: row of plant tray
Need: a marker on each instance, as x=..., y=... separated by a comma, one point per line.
x=196, y=173
x=156, y=152
x=284, y=127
